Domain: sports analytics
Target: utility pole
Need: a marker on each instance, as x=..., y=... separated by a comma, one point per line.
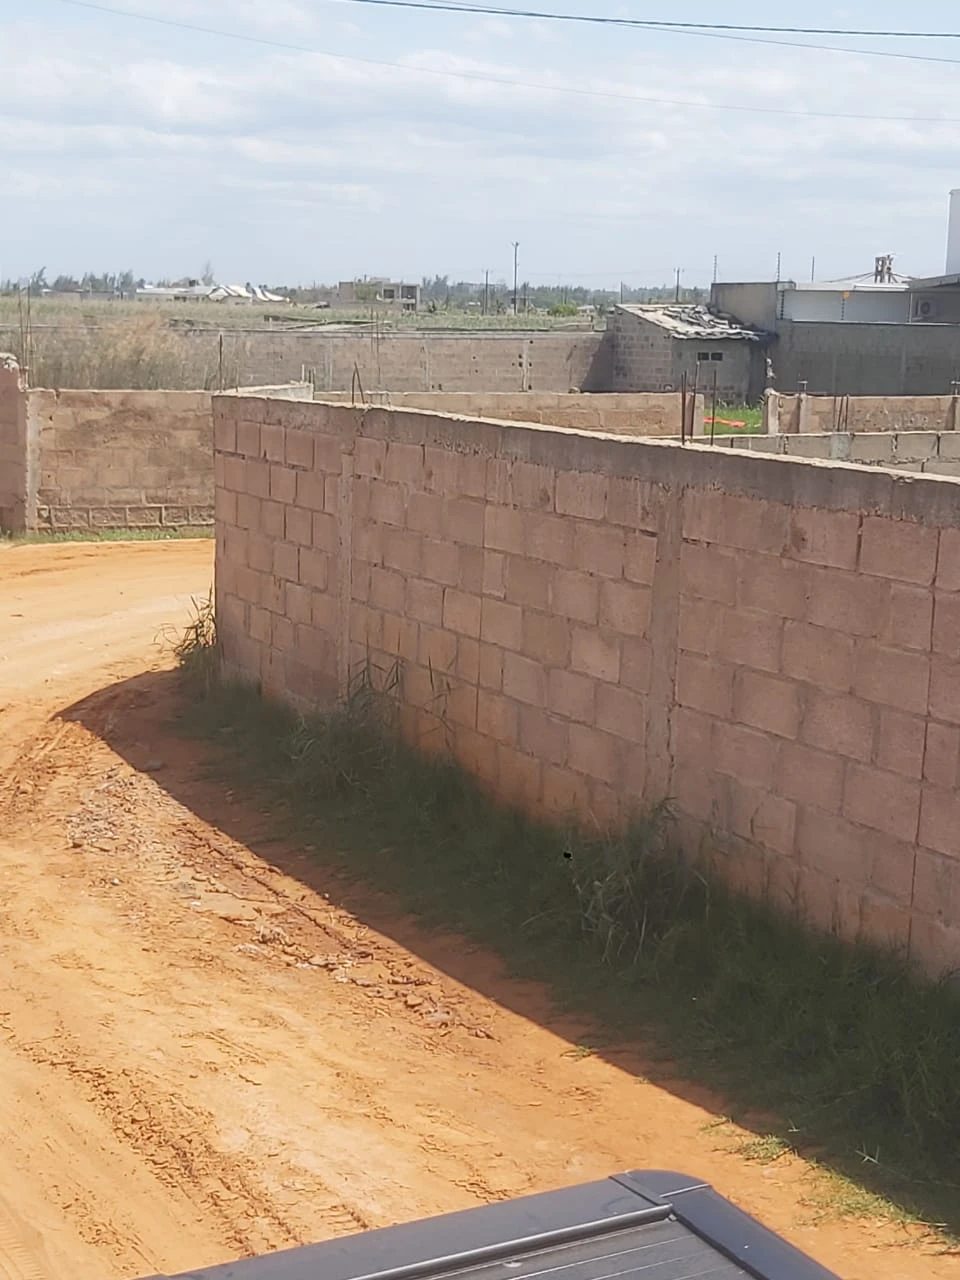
x=779, y=266
x=677, y=294
x=486, y=292
x=813, y=269
x=716, y=268
x=516, y=273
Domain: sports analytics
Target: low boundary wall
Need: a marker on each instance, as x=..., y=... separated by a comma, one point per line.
x=590, y=624
x=107, y=459
x=800, y=414
x=929, y=452
x=637, y=414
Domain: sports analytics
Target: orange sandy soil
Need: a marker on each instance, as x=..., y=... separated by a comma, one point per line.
x=204, y=1054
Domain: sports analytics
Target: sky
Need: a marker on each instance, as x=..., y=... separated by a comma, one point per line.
x=610, y=154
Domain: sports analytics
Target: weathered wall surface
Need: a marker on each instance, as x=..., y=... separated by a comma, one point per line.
x=928, y=452
x=810, y=413
x=116, y=459
x=107, y=459
x=14, y=479
x=590, y=623
x=648, y=414
x=867, y=359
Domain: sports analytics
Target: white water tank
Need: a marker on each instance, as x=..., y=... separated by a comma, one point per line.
x=953, y=235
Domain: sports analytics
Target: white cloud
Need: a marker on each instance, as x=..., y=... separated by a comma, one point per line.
x=369, y=160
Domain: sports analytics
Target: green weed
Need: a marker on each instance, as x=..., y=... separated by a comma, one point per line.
x=843, y=1042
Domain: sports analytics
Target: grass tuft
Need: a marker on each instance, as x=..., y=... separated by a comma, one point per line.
x=168, y=533
x=844, y=1043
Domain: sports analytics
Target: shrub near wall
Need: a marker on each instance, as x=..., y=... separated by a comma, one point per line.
x=591, y=624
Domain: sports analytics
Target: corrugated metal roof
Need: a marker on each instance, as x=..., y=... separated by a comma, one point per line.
x=693, y=321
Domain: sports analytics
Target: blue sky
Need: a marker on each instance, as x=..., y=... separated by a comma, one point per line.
x=128, y=144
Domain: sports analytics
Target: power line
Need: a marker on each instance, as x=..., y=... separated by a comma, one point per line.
x=447, y=6
x=644, y=99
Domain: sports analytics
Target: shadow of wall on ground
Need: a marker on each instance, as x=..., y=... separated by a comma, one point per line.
x=194, y=771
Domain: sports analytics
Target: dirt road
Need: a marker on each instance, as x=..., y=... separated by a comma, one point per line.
x=204, y=1054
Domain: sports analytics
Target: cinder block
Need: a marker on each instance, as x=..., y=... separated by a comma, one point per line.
x=572, y=696
x=437, y=649
x=424, y=601
x=272, y=518
x=519, y=779
x=621, y=713
x=461, y=612
x=498, y=717
x=625, y=608
x=709, y=572
x=404, y=463
x=767, y=702
x=467, y=665
x=272, y=442
x=701, y=622
x=491, y=667
x=705, y=684
x=565, y=793
x=600, y=549
x=872, y=447
x=286, y=561
x=315, y=568
x=425, y=514
x=899, y=549
x=225, y=434
x=544, y=736
x=547, y=537
x=821, y=657
x=901, y=741
x=749, y=524
x=750, y=639
x=283, y=484
x=849, y=602
x=838, y=724
x=532, y=486
x=582, y=494
x=946, y=625
x=595, y=754
x=829, y=538
x=596, y=653
x=402, y=551
x=298, y=526
x=573, y=595
x=940, y=821
x=387, y=589
x=248, y=439
x=941, y=764
x=504, y=530
x=444, y=561
x=464, y=521
x=948, y=565
x=310, y=490
x=916, y=446
x=633, y=504
x=882, y=801
x=387, y=503
x=640, y=559
x=369, y=456
x=524, y=680
x=528, y=583
x=810, y=777
x=744, y=753
x=772, y=585
x=891, y=677
x=546, y=638
x=298, y=449
x=909, y=623
x=502, y=624
x=325, y=532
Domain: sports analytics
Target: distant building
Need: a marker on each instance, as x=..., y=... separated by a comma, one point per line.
x=378, y=291
x=196, y=291
x=653, y=347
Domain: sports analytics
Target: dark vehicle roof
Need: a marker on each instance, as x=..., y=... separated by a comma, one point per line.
x=636, y=1226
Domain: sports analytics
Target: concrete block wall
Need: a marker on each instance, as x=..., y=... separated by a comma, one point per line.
x=424, y=361
x=14, y=479
x=800, y=414
x=642, y=414
x=927, y=452
x=591, y=624
x=106, y=459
